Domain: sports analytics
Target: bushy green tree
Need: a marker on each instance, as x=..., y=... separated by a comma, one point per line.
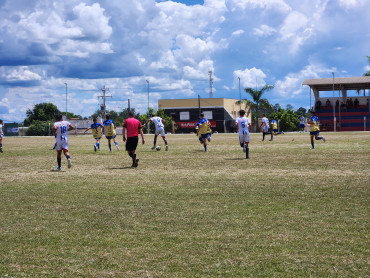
x=40, y=128
x=41, y=112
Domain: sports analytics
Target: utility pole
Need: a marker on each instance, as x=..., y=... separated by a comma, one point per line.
x=104, y=96
x=210, y=83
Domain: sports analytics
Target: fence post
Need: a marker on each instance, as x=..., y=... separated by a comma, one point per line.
x=364, y=123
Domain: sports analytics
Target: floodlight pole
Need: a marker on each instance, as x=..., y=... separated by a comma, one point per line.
x=334, y=121
x=66, y=100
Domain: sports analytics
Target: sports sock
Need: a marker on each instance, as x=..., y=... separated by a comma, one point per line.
x=205, y=148
x=247, y=153
x=165, y=142
x=319, y=138
x=155, y=141
x=110, y=147
x=59, y=160
x=68, y=156
x=313, y=144
x=263, y=136
x=97, y=144
x=116, y=143
x=1, y=145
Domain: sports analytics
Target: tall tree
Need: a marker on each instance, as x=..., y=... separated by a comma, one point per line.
x=41, y=112
x=367, y=73
x=257, y=103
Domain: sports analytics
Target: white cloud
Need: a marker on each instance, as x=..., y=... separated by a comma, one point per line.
x=12, y=74
x=278, y=5
x=237, y=33
x=249, y=78
x=291, y=85
x=263, y=31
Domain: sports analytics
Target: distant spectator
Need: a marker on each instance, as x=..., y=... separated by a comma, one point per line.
x=343, y=106
x=356, y=103
x=318, y=105
x=367, y=102
x=350, y=103
x=328, y=102
x=337, y=103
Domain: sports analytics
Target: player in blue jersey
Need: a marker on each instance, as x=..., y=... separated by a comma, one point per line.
x=314, y=129
x=1, y=136
x=110, y=132
x=204, y=132
x=96, y=130
x=274, y=128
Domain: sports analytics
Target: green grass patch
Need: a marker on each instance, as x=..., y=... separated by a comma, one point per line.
x=288, y=211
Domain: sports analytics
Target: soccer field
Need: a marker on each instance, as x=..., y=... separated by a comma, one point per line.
x=288, y=211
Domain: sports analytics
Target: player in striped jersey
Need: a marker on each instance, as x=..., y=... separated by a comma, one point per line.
x=243, y=124
x=60, y=132
x=315, y=129
x=96, y=130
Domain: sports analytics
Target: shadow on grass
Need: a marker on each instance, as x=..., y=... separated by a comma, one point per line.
x=121, y=168
x=238, y=158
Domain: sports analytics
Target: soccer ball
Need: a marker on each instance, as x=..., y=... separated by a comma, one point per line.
x=158, y=148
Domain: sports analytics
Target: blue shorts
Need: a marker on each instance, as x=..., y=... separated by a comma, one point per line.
x=275, y=130
x=316, y=133
x=111, y=137
x=97, y=138
x=205, y=136
x=301, y=125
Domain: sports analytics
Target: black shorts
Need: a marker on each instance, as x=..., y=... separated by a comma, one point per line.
x=131, y=143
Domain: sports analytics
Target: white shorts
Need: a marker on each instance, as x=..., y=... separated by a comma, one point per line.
x=62, y=145
x=244, y=138
x=265, y=129
x=1, y=136
x=160, y=131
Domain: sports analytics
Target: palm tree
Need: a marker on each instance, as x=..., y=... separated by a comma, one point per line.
x=367, y=73
x=257, y=103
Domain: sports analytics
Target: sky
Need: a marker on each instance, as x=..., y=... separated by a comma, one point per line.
x=169, y=47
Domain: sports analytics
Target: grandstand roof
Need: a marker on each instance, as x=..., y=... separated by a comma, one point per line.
x=340, y=83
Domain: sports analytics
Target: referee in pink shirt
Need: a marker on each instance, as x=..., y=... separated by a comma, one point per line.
x=132, y=127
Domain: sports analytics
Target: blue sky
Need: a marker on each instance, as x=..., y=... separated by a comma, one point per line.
x=173, y=44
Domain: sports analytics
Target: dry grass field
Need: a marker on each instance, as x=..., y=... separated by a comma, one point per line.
x=288, y=211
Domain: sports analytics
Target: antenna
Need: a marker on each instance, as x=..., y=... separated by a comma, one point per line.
x=104, y=96
x=210, y=83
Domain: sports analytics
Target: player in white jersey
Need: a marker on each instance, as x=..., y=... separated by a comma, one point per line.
x=159, y=129
x=243, y=124
x=265, y=127
x=1, y=136
x=61, y=129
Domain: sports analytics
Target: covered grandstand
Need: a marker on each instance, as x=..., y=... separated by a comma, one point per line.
x=348, y=109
